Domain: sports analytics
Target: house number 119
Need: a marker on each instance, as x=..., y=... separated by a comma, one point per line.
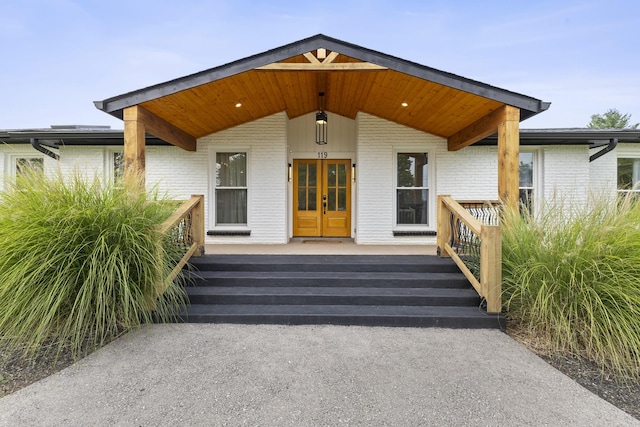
x=323, y=154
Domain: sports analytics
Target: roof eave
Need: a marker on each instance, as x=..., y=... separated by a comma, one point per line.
x=529, y=106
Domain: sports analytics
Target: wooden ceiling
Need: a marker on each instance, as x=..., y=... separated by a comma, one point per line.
x=354, y=79
x=349, y=86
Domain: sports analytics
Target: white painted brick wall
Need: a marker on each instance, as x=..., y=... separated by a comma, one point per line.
x=566, y=173
x=468, y=174
x=378, y=141
x=266, y=143
x=88, y=161
x=603, y=174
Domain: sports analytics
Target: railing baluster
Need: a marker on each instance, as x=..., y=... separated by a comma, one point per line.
x=184, y=231
x=472, y=237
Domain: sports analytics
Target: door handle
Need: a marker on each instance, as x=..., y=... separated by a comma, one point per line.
x=324, y=204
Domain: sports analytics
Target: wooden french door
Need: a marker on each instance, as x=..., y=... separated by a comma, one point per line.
x=322, y=198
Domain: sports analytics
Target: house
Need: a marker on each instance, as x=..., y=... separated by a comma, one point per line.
x=325, y=138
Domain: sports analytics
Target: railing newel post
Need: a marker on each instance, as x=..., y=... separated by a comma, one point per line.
x=443, y=233
x=197, y=217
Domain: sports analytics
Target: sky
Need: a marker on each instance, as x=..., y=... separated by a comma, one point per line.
x=61, y=55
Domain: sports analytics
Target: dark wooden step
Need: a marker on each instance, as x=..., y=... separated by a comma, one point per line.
x=328, y=279
x=333, y=263
x=365, y=315
x=372, y=290
x=333, y=296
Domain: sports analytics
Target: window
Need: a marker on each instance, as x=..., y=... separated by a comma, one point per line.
x=412, y=189
x=527, y=180
x=628, y=175
x=231, y=188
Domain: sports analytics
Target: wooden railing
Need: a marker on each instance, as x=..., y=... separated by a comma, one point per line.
x=472, y=238
x=184, y=231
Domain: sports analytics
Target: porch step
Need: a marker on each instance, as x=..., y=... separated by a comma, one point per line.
x=363, y=315
x=372, y=290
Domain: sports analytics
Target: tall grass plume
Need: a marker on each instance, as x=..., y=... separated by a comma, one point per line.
x=572, y=276
x=80, y=261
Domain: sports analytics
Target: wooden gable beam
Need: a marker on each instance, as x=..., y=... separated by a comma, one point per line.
x=482, y=128
x=161, y=128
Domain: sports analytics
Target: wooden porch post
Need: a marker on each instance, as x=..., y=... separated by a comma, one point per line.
x=508, y=157
x=134, y=145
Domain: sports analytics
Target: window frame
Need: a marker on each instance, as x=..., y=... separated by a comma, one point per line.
x=537, y=184
x=11, y=163
x=214, y=187
x=430, y=225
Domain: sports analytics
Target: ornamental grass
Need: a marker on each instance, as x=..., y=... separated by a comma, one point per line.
x=81, y=261
x=571, y=276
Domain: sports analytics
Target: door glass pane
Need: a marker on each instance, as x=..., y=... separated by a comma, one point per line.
x=312, y=199
x=331, y=179
x=302, y=199
x=332, y=200
x=413, y=206
x=342, y=199
x=313, y=173
x=342, y=175
x=302, y=174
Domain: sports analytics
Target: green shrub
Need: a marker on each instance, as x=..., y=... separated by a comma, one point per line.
x=572, y=277
x=80, y=261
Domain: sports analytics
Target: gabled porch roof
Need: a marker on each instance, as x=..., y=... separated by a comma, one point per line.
x=353, y=79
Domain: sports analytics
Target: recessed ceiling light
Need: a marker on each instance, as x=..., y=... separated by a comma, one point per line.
x=238, y=105
x=404, y=104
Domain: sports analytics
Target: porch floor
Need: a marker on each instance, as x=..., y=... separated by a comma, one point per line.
x=318, y=246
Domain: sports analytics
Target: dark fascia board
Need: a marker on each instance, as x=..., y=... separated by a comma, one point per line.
x=529, y=106
x=61, y=138
x=572, y=136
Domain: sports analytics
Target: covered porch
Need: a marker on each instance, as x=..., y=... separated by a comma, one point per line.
x=361, y=90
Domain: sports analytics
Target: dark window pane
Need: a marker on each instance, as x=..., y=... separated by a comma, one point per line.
x=413, y=207
x=231, y=206
x=332, y=200
x=526, y=202
x=628, y=173
x=118, y=166
x=302, y=174
x=331, y=171
x=313, y=174
x=302, y=199
x=342, y=199
x=526, y=169
x=231, y=169
x=342, y=175
x=27, y=164
x=312, y=201
x=413, y=170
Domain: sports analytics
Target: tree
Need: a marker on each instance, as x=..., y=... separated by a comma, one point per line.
x=612, y=119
